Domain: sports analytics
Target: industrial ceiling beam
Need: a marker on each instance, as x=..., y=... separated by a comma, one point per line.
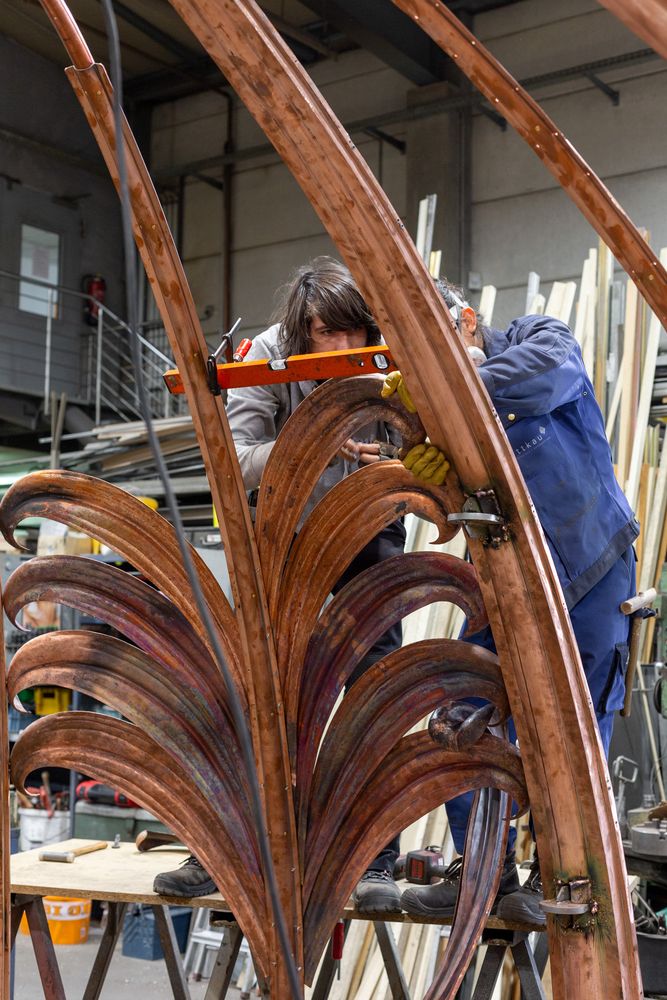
x=401, y=115
x=472, y=7
x=301, y=35
x=389, y=34
x=168, y=42
x=196, y=72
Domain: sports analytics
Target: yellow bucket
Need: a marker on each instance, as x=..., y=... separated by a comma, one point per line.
x=69, y=919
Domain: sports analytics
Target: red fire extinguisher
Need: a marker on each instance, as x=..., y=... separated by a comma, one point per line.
x=94, y=287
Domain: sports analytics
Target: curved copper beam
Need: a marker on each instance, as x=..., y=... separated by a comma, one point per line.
x=568, y=783
x=483, y=857
x=578, y=180
x=177, y=309
x=647, y=18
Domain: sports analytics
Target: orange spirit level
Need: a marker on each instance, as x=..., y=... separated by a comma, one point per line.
x=297, y=368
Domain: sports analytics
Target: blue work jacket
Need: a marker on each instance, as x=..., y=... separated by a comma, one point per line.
x=536, y=378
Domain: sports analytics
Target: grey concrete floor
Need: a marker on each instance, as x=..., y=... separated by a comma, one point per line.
x=126, y=976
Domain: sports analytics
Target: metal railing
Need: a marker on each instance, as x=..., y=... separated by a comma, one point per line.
x=106, y=381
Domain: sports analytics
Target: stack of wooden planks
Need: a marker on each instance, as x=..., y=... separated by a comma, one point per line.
x=620, y=341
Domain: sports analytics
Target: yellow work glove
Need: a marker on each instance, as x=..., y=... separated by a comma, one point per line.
x=396, y=383
x=427, y=463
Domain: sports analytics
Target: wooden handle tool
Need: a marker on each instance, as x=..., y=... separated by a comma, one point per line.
x=69, y=856
x=148, y=839
x=631, y=607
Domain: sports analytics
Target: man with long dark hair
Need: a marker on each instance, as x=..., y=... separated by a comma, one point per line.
x=321, y=310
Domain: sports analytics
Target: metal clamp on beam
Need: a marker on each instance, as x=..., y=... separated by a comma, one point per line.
x=482, y=518
x=574, y=899
x=212, y=359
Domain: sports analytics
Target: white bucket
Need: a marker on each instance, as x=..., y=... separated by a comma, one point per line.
x=38, y=828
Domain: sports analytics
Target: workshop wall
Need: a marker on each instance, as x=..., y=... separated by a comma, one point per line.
x=521, y=219
x=274, y=228
x=51, y=177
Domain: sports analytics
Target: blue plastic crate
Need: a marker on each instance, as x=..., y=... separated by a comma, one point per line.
x=140, y=934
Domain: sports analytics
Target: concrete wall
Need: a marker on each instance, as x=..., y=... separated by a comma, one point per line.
x=52, y=177
x=521, y=218
x=274, y=229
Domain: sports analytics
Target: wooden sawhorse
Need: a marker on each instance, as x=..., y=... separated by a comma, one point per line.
x=123, y=876
x=499, y=936
x=118, y=877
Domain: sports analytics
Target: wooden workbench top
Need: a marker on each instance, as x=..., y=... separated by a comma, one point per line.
x=121, y=874
x=124, y=874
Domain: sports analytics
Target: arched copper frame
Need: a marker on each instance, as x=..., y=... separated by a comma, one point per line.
x=567, y=781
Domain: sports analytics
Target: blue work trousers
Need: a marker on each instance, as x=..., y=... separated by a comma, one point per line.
x=602, y=633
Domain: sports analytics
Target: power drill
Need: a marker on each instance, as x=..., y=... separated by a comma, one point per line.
x=420, y=867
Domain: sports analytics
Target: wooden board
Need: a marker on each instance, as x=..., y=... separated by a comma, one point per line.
x=644, y=405
x=120, y=874
x=124, y=874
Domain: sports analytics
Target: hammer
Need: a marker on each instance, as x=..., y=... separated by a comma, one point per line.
x=639, y=607
x=69, y=856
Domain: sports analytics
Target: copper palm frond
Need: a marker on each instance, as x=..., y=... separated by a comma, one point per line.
x=390, y=698
x=128, y=758
x=309, y=441
x=484, y=852
x=127, y=603
x=140, y=535
x=414, y=769
x=337, y=780
x=124, y=677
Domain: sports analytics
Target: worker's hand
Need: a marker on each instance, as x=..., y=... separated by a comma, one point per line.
x=427, y=463
x=396, y=383
x=360, y=451
x=368, y=452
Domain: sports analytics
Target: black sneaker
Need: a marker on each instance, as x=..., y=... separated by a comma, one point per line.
x=523, y=906
x=191, y=879
x=376, y=892
x=439, y=900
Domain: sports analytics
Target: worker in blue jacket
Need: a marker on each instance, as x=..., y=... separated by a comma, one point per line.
x=535, y=376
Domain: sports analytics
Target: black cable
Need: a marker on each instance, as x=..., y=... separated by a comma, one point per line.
x=240, y=724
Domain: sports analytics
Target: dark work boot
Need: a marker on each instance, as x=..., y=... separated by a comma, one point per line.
x=376, y=892
x=191, y=879
x=439, y=900
x=523, y=906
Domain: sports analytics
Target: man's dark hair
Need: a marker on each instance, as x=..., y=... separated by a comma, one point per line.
x=323, y=288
